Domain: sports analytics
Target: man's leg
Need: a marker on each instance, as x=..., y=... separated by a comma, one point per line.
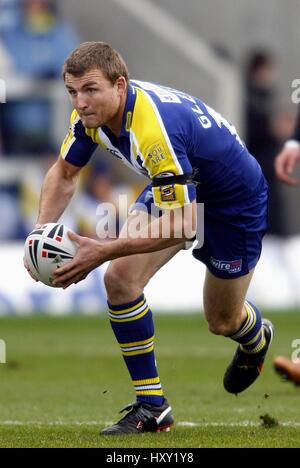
x=230, y=315
x=132, y=323
x=288, y=369
x=224, y=301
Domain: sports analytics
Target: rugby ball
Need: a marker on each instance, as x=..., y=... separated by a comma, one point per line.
x=48, y=248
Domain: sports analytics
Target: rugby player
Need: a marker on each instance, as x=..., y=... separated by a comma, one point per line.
x=191, y=155
x=285, y=164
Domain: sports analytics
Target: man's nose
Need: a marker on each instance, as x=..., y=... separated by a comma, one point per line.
x=81, y=103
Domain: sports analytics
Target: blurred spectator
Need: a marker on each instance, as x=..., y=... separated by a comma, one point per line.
x=98, y=188
x=37, y=44
x=10, y=14
x=261, y=139
x=5, y=62
x=31, y=183
x=12, y=227
x=5, y=67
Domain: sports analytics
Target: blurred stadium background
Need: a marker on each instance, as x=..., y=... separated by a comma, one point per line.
x=204, y=48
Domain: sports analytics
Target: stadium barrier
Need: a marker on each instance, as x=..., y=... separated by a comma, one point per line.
x=176, y=287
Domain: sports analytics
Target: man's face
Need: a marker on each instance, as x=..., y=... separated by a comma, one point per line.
x=95, y=98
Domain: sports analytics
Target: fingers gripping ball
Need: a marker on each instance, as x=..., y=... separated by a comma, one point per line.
x=48, y=248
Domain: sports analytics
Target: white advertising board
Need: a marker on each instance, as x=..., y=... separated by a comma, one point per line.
x=177, y=287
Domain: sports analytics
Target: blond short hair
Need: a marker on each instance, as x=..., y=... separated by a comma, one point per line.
x=101, y=55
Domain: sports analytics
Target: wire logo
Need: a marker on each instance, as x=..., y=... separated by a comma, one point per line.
x=2, y=352
x=2, y=92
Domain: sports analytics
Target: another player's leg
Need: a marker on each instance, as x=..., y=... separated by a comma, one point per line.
x=132, y=323
x=230, y=315
x=288, y=369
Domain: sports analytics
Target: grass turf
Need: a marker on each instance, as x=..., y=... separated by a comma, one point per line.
x=65, y=380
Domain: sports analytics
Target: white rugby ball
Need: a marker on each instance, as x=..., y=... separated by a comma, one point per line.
x=48, y=248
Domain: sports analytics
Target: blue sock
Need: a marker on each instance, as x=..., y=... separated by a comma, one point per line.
x=251, y=333
x=133, y=326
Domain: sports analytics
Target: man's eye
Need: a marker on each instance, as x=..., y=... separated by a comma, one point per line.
x=72, y=93
x=91, y=90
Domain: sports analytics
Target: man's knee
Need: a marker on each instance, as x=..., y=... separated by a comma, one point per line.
x=115, y=281
x=120, y=282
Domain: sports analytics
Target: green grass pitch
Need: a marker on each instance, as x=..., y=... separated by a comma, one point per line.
x=65, y=380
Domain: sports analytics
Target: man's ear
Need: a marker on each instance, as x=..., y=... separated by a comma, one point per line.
x=121, y=85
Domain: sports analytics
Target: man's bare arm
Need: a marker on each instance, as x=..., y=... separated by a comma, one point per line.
x=58, y=188
x=57, y=191
x=181, y=226
x=286, y=162
x=174, y=227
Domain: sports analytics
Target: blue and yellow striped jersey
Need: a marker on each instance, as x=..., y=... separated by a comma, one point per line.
x=166, y=132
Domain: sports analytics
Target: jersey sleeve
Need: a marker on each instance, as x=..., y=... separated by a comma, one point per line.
x=78, y=146
x=174, y=164
x=164, y=154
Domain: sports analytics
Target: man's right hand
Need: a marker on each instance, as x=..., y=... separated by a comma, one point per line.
x=285, y=164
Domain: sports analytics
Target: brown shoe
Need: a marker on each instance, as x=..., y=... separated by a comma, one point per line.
x=288, y=369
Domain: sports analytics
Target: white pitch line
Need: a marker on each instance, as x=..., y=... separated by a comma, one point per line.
x=237, y=424
x=191, y=424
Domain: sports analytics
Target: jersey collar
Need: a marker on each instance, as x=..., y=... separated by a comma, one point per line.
x=128, y=111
